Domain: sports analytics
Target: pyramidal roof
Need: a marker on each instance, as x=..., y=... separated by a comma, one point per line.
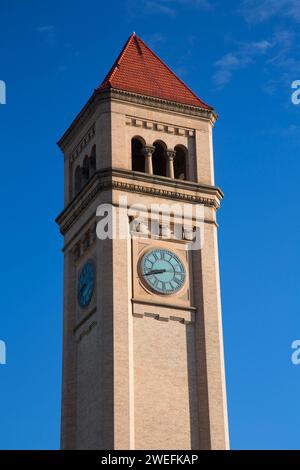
x=139, y=70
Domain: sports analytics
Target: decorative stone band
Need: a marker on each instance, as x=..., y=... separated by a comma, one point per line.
x=159, y=127
x=105, y=180
x=83, y=143
x=163, y=104
x=167, y=312
x=166, y=318
x=120, y=95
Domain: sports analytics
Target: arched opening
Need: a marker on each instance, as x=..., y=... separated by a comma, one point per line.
x=159, y=161
x=93, y=161
x=137, y=157
x=85, y=170
x=77, y=179
x=180, y=170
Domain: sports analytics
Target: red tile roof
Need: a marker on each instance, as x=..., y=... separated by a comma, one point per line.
x=139, y=70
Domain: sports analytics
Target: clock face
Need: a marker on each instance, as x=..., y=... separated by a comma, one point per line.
x=162, y=271
x=86, y=283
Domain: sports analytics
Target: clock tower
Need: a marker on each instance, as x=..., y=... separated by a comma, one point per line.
x=143, y=363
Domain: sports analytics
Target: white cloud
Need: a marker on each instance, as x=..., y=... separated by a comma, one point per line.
x=155, y=7
x=165, y=7
x=286, y=58
x=259, y=47
x=257, y=11
x=280, y=58
x=154, y=39
x=227, y=65
x=232, y=61
x=239, y=59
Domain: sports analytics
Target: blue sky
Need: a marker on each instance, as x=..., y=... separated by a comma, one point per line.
x=240, y=56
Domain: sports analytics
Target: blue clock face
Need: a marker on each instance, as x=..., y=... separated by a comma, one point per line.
x=86, y=284
x=162, y=271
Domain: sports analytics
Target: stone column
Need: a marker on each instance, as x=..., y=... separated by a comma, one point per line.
x=170, y=156
x=148, y=151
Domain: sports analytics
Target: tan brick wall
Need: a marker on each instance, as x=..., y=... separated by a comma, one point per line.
x=166, y=415
x=134, y=381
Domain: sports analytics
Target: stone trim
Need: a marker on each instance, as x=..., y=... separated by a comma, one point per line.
x=85, y=242
x=208, y=114
x=76, y=211
x=103, y=180
x=77, y=236
x=167, y=305
x=83, y=143
x=159, y=126
x=164, y=318
x=121, y=95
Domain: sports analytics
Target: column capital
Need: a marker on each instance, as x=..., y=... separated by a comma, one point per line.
x=171, y=154
x=148, y=150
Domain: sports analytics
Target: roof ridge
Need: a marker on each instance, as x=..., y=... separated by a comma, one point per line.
x=122, y=55
x=139, y=69
x=114, y=68
x=173, y=73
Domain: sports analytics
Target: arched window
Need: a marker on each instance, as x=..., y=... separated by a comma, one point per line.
x=137, y=157
x=77, y=179
x=159, y=161
x=180, y=170
x=85, y=170
x=93, y=161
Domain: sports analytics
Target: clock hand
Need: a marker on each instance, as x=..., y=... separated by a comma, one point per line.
x=155, y=271
x=83, y=287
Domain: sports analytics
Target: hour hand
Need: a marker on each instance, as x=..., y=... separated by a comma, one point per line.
x=155, y=271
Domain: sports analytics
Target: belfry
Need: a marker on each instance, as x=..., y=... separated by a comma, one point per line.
x=143, y=364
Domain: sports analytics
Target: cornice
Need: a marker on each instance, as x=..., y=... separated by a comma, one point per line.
x=127, y=96
x=109, y=179
x=153, y=102
x=166, y=181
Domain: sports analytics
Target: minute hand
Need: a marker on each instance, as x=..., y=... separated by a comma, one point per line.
x=155, y=271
